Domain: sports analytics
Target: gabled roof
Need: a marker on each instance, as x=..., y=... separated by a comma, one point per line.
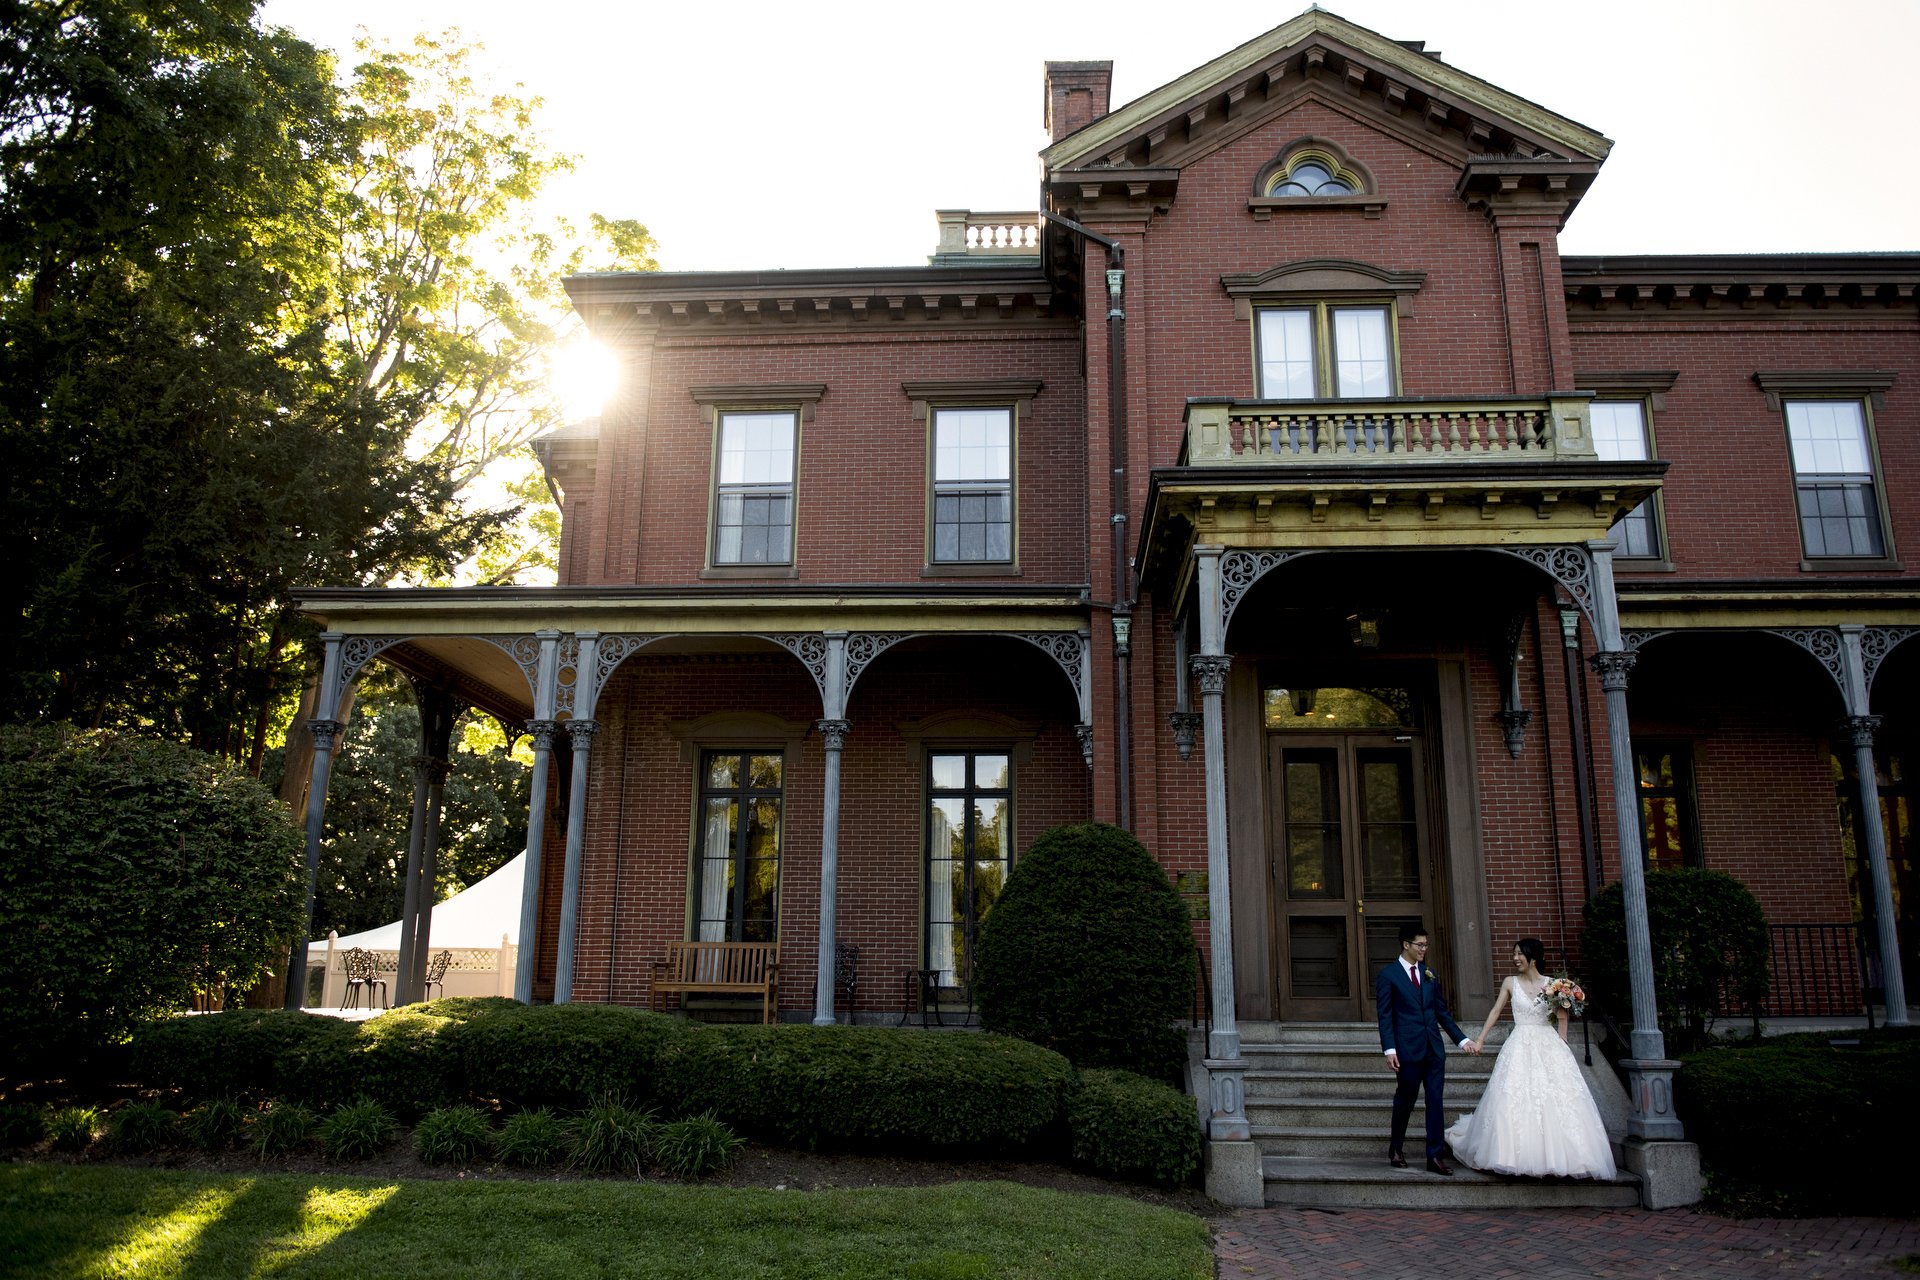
x=1319, y=43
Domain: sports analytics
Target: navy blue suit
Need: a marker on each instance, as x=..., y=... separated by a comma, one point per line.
x=1411, y=1019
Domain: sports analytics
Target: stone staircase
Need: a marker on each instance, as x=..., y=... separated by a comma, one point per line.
x=1320, y=1099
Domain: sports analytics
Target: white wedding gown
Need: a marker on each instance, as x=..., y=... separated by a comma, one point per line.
x=1536, y=1117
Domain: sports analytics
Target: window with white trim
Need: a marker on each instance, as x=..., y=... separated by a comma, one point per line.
x=1620, y=435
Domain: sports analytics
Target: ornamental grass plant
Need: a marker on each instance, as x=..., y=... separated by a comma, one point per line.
x=359, y=1130
x=452, y=1135
x=73, y=1128
x=140, y=1127
x=696, y=1146
x=611, y=1136
x=21, y=1124
x=216, y=1125
x=280, y=1129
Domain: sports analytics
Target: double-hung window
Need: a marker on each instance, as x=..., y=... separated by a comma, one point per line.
x=753, y=496
x=972, y=484
x=1325, y=350
x=1837, y=498
x=1620, y=435
x=756, y=453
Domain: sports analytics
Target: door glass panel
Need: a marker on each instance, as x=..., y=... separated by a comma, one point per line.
x=1389, y=833
x=1317, y=948
x=1313, y=825
x=1383, y=940
x=1294, y=709
x=719, y=825
x=989, y=771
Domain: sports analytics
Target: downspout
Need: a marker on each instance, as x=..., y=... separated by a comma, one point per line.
x=1123, y=583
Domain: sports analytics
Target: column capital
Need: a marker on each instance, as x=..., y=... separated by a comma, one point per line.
x=436, y=770
x=833, y=732
x=1186, y=724
x=1084, y=732
x=1614, y=666
x=1860, y=730
x=1210, y=670
x=324, y=732
x=582, y=731
x=543, y=732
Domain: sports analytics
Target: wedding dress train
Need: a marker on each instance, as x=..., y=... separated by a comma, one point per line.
x=1536, y=1116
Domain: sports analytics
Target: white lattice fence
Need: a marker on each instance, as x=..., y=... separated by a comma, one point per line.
x=471, y=971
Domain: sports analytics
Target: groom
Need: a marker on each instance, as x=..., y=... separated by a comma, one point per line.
x=1412, y=1013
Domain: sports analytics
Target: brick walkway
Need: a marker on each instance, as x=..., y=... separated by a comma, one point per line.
x=1548, y=1244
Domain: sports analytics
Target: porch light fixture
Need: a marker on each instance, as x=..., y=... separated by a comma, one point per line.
x=1364, y=630
x=1303, y=700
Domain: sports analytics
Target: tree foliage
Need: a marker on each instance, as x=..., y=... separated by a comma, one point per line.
x=1089, y=951
x=370, y=804
x=130, y=871
x=263, y=330
x=1710, y=940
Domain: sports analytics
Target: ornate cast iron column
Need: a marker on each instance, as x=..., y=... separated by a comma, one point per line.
x=1577, y=726
x=1183, y=719
x=1226, y=1070
x=438, y=711
x=542, y=727
x=833, y=735
x=581, y=732
x=325, y=729
x=1649, y=1072
x=1860, y=728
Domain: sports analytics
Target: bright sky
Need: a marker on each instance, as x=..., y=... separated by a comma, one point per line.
x=751, y=134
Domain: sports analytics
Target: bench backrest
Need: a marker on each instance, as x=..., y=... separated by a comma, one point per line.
x=733, y=963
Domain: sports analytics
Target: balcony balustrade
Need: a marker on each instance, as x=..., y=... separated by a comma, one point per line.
x=1400, y=430
x=967, y=235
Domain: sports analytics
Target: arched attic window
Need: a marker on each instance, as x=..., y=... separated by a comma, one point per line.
x=1313, y=173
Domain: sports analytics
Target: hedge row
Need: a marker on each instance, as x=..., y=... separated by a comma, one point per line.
x=1803, y=1125
x=854, y=1089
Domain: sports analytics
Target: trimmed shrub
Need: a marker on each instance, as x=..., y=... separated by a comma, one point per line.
x=696, y=1146
x=1089, y=951
x=130, y=870
x=140, y=1127
x=247, y=1053
x=1708, y=934
x=21, y=1124
x=562, y=1055
x=1769, y=1118
x=451, y=1135
x=612, y=1137
x=73, y=1128
x=403, y=1060
x=358, y=1130
x=281, y=1128
x=216, y=1125
x=531, y=1140
x=869, y=1088
x=1127, y=1126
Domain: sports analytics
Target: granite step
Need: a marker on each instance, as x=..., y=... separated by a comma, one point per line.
x=1375, y=1083
x=1368, y=1182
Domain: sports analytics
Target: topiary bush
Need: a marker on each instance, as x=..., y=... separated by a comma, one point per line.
x=1709, y=936
x=451, y=1135
x=130, y=870
x=869, y=1088
x=140, y=1127
x=1127, y=1126
x=246, y=1053
x=562, y=1055
x=696, y=1146
x=359, y=1130
x=1089, y=951
x=531, y=1139
x=1793, y=1127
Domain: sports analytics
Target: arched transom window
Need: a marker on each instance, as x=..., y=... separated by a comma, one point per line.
x=1314, y=173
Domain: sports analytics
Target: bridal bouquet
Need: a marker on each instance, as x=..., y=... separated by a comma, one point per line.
x=1564, y=993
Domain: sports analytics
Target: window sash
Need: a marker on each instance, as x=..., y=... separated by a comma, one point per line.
x=1288, y=368
x=753, y=488
x=1362, y=353
x=1835, y=494
x=972, y=498
x=1620, y=435
x=1311, y=352
x=969, y=853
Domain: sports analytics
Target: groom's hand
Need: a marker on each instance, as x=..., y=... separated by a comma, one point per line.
x=1393, y=1059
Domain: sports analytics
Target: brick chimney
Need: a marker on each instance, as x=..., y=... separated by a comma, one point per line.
x=1077, y=95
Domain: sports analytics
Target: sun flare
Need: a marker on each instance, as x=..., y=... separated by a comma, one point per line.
x=584, y=374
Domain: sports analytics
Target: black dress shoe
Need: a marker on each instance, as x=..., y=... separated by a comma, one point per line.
x=1439, y=1165
x=1397, y=1160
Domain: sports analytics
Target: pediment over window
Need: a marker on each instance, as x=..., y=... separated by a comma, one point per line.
x=1321, y=278
x=1396, y=87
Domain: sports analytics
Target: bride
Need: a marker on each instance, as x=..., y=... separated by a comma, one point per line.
x=1536, y=1116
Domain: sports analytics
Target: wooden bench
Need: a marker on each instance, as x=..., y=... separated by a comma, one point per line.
x=719, y=968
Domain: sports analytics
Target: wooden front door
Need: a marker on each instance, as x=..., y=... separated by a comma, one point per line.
x=1351, y=861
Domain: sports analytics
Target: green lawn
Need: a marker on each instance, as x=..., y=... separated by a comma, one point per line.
x=63, y=1221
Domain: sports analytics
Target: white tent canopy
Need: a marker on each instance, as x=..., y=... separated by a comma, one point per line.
x=474, y=917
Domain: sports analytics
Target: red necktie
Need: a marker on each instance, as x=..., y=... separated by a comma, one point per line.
x=1416, y=976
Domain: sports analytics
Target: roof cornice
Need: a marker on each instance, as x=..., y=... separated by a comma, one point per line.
x=1391, y=59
